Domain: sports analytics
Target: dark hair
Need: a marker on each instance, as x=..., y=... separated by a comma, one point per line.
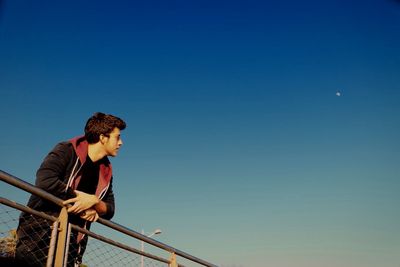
x=101, y=123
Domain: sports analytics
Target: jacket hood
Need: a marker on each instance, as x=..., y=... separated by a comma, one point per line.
x=81, y=146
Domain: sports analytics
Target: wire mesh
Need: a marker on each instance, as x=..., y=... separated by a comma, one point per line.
x=99, y=253
x=28, y=244
x=33, y=240
x=8, y=235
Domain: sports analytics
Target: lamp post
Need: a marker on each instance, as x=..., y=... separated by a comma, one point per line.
x=155, y=232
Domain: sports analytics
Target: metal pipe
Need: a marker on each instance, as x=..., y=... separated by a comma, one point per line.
x=12, y=180
x=53, y=239
x=27, y=209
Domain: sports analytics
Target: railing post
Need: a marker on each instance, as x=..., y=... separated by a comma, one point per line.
x=52, y=247
x=62, y=246
x=173, y=262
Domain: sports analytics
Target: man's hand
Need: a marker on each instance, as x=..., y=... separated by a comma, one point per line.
x=89, y=215
x=82, y=202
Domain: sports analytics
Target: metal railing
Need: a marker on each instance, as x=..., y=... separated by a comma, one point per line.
x=100, y=251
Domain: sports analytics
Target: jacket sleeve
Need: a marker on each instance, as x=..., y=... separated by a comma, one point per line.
x=110, y=202
x=51, y=173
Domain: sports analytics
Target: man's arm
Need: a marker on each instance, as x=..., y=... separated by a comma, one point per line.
x=84, y=201
x=101, y=208
x=51, y=172
x=109, y=202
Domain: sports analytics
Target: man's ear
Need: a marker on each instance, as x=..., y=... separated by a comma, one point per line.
x=102, y=138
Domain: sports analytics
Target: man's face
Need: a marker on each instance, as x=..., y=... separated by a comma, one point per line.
x=113, y=142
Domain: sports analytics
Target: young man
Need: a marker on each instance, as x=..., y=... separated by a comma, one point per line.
x=79, y=172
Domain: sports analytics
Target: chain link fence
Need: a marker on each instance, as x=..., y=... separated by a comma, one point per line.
x=41, y=239
x=38, y=237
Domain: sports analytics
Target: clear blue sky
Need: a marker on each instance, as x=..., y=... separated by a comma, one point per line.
x=237, y=145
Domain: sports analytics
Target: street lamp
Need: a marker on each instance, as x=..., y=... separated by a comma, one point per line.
x=155, y=232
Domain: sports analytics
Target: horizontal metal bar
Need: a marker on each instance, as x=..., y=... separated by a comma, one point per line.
x=26, y=209
x=15, y=181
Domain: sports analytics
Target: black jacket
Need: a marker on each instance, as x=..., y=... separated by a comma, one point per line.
x=59, y=174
